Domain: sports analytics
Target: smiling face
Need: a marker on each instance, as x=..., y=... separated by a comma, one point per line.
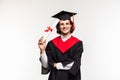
x=65, y=26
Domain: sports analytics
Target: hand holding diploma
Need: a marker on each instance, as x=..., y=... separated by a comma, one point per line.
x=42, y=44
x=42, y=40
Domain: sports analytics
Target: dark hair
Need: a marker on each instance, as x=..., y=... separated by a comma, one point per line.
x=58, y=27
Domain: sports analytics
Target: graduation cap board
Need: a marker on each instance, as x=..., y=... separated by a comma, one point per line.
x=63, y=15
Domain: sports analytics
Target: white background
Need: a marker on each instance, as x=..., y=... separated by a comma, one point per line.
x=22, y=23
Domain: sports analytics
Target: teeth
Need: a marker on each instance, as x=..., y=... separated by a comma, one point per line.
x=64, y=29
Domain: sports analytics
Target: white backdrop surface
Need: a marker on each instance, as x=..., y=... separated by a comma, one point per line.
x=22, y=23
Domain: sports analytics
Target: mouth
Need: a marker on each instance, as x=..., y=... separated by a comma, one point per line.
x=64, y=29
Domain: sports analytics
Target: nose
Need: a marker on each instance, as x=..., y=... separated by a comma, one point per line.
x=64, y=25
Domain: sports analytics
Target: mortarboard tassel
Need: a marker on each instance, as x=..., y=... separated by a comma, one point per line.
x=73, y=22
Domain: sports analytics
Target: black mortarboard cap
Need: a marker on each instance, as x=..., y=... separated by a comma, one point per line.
x=64, y=15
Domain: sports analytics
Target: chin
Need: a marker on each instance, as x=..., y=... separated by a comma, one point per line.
x=65, y=33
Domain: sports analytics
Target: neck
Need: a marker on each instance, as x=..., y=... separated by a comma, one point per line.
x=65, y=35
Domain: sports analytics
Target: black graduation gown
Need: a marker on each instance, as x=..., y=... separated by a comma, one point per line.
x=64, y=52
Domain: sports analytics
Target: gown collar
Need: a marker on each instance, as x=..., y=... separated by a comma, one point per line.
x=63, y=46
x=65, y=38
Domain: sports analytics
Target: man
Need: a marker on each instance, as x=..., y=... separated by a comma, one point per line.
x=62, y=55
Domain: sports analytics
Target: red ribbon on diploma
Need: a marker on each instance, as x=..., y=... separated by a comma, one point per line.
x=48, y=29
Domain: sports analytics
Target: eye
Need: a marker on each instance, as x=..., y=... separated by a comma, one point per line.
x=67, y=23
x=61, y=24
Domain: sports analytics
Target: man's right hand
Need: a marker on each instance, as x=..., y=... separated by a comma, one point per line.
x=42, y=44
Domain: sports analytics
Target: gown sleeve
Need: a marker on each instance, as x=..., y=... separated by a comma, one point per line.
x=77, y=59
x=76, y=53
x=46, y=70
x=50, y=56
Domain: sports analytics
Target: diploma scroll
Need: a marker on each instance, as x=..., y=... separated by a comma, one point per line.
x=49, y=29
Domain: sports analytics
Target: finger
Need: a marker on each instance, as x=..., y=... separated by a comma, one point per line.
x=40, y=44
x=40, y=40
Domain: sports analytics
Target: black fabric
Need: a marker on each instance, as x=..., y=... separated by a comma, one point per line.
x=64, y=15
x=55, y=56
x=45, y=70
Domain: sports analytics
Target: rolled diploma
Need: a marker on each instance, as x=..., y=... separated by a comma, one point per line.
x=52, y=27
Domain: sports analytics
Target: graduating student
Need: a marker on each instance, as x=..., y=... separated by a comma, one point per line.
x=62, y=55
